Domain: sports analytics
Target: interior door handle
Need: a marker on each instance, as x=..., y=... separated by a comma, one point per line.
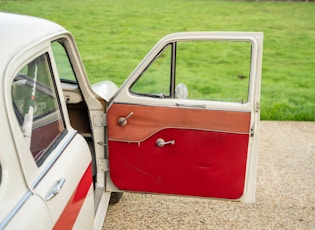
x=160, y=142
x=123, y=120
x=56, y=189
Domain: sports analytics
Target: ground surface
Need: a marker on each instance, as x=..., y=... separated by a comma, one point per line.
x=285, y=195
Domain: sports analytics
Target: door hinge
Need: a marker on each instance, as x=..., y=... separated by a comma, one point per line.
x=99, y=120
x=106, y=164
x=252, y=130
x=257, y=107
x=103, y=165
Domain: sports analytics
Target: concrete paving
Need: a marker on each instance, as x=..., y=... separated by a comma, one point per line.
x=285, y=195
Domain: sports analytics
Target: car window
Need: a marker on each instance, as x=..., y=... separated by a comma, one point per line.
x=37, y=108
x=64, y=67
x=199, y=70
x=155, y=81
x=214, y=70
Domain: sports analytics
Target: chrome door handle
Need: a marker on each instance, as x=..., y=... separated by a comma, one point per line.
x=160, y=142
x=56, y=189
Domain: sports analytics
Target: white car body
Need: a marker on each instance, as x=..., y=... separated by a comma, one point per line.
x=112, y=140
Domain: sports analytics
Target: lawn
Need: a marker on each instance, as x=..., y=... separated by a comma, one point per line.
x=114, y=35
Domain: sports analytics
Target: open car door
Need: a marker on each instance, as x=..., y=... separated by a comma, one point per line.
x=186, y=120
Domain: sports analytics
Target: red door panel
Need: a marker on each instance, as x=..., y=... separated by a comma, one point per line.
x=147, y=120
x=207, y=159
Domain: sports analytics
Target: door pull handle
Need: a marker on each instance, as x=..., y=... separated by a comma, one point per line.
x=160, y=142
x=56, y=189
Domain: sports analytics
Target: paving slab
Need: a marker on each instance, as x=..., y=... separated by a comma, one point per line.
x=285, y=195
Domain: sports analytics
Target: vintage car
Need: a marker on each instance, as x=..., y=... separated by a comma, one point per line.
x=67, y=145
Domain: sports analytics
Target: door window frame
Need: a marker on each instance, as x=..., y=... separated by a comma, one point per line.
x=33, y=173
x=124, y=95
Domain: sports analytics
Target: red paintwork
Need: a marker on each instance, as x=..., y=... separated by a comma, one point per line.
x=201, y=163
x=71, y=211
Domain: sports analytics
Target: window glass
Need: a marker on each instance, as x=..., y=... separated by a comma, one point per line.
x=36, y=107
x=63, y=64
x=155, y=81
x=214, y=70
x=204, y=70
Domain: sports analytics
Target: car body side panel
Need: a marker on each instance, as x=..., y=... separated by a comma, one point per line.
x=74, y=205
x=84, y=218
x=40, y=218
x=73, y=165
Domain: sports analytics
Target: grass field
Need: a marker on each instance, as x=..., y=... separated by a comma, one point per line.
x=114, y=35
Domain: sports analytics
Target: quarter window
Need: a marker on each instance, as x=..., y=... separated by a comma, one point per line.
x=36, y=107
x=64, y=66
x=155, y=81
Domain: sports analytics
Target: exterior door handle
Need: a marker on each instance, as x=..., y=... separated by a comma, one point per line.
x=160, y=142
x=56, y=189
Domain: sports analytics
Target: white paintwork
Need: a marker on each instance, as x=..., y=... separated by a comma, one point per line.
x=74, y=154
x=85, y=220
x=17, y=34
x=255, y=38
x=16, y=204
x=24, y=38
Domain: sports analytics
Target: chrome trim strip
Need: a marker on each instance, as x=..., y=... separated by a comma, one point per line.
x=205, y=106
x=175, y=127
x=52, y=162
x=14, y=211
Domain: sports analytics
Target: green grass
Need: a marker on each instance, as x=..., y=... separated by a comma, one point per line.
x=114, y=35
